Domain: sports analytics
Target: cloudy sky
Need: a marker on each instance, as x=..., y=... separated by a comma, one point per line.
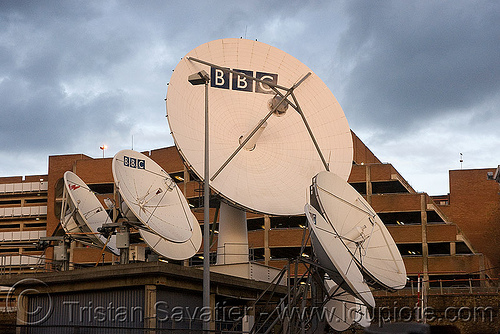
x=419, y=81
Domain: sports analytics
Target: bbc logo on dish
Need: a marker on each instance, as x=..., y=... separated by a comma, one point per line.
x=222, y=78
x=134, y=163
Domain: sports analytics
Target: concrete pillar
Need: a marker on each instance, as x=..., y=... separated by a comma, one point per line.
x=22, y=312
x=368, y=181
x=149, y=308
x=482, y=271
x=425, y=248
x=267, y=250
x=72, y=246
x=248, y=319
x=232, y=242
x=186, y=180
x=212, y=311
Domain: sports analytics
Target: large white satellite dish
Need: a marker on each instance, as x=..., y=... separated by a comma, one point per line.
x=263, y=151
x=84, y=213
x=335, y=259
x=344, y=310
x=359, y=230
x=169, y=226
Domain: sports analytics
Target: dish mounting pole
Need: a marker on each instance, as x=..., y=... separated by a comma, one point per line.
x=202, y=78
x=206, y=215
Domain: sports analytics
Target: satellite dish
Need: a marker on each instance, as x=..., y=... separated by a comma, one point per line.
x=85, y=214
x=359, y=230
x=172, y=250
x=344, y=310
x=334, y=257
x=152, y=196
x=273, y=124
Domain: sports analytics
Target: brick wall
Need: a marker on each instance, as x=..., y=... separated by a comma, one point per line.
x=475, y=207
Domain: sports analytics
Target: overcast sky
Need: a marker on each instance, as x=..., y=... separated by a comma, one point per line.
x=419, y=81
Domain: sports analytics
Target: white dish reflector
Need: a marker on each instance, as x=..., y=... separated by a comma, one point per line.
x=344, y=310
x=360, y=231
x=157, y=202
x=89, y=215
x=335, y=259
x=171, y=250
x=271, y=171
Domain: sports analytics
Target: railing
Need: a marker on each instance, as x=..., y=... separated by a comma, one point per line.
x=16, y=328
x=22, y=235
x=449, y=287
x=25, y=211
x=24, y=187
x=14, y=263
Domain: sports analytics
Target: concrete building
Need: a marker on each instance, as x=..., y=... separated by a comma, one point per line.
x=129, y=298
x=474, y=204
x=438, y=237
x=448, y=240
x=23, y=220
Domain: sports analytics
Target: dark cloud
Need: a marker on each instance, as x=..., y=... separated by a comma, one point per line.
x=74, y=74
x=44, y=118
x=418, y=59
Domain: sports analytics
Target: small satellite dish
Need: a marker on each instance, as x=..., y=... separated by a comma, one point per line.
x=84, y=213
x=152, y=196
x=344, y=310
x=359, y=230
x=334, y=257
x=273, y=124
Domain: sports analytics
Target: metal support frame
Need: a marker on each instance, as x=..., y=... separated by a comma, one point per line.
x=284, y=97
x=301, y=299
x=307, y=295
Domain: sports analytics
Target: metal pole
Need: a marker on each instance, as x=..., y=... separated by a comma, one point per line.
x=419, y=283
x=206, y=221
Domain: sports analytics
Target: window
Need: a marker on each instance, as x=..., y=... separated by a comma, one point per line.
x=462, y=248
x=360, y=187
x=10, y=202
x=433, y=217
x=439, y=248
x=288, y=222
x=288, y=252
x=36, y=200
x=102, y=188
x=255, y=224
x=388, y=187
x=35, y=225
x=410, y=249
x=257, y=254
x=177, y=177
x=400, y=218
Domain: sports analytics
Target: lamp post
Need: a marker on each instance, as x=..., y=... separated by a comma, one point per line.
x=103, y=148
x=202, y=78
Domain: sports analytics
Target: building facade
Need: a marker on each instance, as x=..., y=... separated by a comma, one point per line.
x=439, y=238
x=23, y=221
x=474, y=204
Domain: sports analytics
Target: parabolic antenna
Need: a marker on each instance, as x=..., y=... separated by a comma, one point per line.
x=359, y=230
x=335, y=259
x=172, y=250
x=344, y=310
x=169, y=226
x=273, y=124
x=85, y=214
